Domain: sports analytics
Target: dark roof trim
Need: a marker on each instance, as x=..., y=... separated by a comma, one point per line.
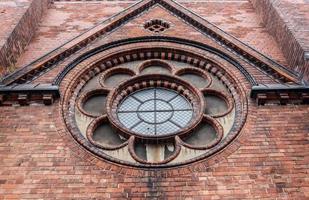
x=25, y=93
x=277, y=88
x=30, y=88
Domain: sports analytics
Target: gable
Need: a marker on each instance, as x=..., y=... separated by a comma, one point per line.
x=208, y=29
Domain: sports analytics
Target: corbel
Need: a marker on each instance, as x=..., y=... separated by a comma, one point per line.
x=23, y=99
x=305, y=98
x=48, y=99
x=261, y=99
x=284, y=98
x=1, y=99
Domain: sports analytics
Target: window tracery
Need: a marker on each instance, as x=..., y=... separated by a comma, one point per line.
x=157, y=112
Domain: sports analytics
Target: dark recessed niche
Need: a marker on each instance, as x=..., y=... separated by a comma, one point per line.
x=156, y=153
x=112, y=77
x=92, y=83
x=115, y=79
x=215, y=105
x=140, y=151
x=169, y=150
x=204, y=135
x=155, y=70
x=95, y=105
x=196, y=80
x=106, y=136
x=155, y=67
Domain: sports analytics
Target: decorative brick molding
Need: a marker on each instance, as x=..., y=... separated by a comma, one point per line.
x=156, y=26
x=18, y=38
x=280, y=94
x=25, y=94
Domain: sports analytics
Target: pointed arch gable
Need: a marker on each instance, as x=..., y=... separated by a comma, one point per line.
x=41, y=65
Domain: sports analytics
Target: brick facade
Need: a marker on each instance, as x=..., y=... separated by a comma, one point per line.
x=288, y=22
x=39, y=158
x=20, y=20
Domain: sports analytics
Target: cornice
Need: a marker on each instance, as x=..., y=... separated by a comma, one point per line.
x=280, y=94
x=26, y=94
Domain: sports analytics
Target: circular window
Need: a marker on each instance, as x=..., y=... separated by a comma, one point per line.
x=155, y=107
x=154, y=112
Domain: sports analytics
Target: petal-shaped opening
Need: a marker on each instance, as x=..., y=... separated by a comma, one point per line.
x=206, y=135
x=93, y=103
x=155, y=67
x=101, y=134
x=217, y=103
x=152, y=153
x=113, y=77
x=106, y=136
x=196, y=77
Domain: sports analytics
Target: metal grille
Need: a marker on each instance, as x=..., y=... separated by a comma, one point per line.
x=155, y=111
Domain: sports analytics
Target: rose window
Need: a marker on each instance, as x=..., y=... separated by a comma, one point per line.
x=154, y=113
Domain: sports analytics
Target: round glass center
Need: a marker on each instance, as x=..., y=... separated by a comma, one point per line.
x=155, y=111
x=148, y=112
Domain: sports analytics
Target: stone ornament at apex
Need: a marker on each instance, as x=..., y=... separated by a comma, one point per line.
x=156, y=26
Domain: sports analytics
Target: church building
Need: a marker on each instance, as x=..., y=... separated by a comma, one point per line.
x=154, y=99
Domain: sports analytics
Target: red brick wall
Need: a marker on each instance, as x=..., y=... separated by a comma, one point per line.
x=19, y=20
x=239, y=19
x=288, y=22
x=268, y=160
x=62, y=23
x=271, y=163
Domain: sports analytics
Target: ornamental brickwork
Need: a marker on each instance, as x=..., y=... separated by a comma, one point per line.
x=245, y=133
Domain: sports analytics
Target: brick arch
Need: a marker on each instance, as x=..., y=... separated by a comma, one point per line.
x=173, y=40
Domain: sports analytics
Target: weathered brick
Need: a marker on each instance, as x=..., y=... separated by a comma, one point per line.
x=40, y=160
